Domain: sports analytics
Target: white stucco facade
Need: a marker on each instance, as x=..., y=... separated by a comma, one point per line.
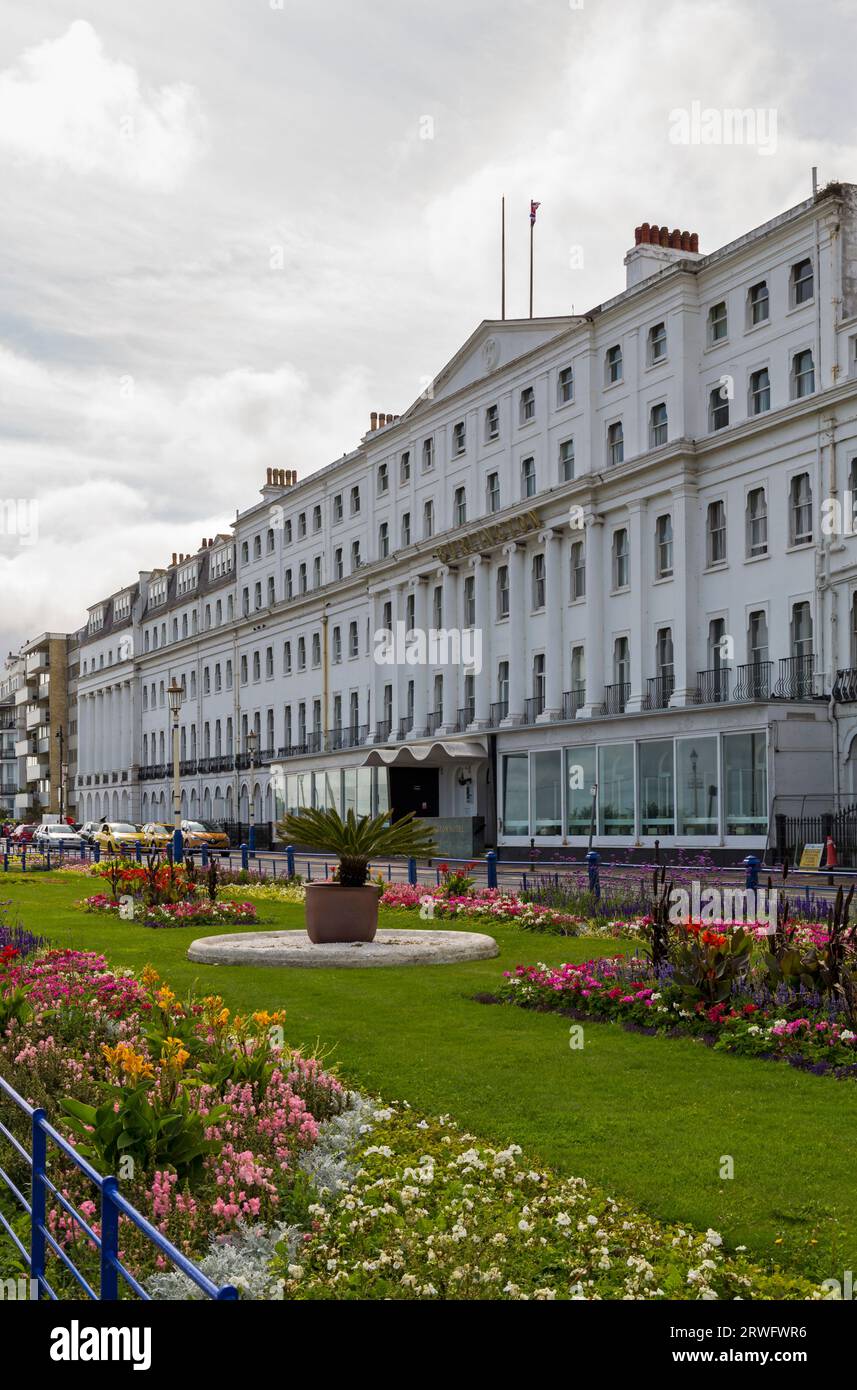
x=625, y=506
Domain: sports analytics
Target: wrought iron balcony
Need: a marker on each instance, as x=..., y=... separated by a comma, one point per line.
x=616, y=697
x=466, y=715
x=845, y=686
x=406, y=723
x=534, y=707
x=796, y=679
x=659, y=691
x=712, y=687
x=499, y=711
x=754, y=681
x=433, y=720
x=383, y=729
x=572, y=701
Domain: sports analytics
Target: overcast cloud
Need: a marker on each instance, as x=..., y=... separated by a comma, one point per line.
x=225, y=237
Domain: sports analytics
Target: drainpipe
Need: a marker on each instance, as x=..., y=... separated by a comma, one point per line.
x=325, y=677
x=833, y=719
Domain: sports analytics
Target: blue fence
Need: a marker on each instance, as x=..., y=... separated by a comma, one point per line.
x=114, y=1277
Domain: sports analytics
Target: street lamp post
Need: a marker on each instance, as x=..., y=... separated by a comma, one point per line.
x=61, y=742
x=252, y=740
x=175, y=694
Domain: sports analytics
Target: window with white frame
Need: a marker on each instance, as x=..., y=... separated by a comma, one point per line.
x=459, y=438
x=718, y=409
x=615, y=443
x=459, y=507
x=716, y=533
x=527, y=405
x=538, y=584
x=613, y=365
x=757, y=522
x=760, y=391
x=470, y=601
x=718, y=323
x=337, y=507
x=356, y=561
x=528, y=477
x=578, y=570
x=355, y=501
x=664, y=546
x=802, y=283
x=406, y=528
x=658, y=425
x=428, y=518
x=383, y=479
x=405, y=466
x=621, y=562
x=758, y=304
x=657, y=343
x=566, y=460
x=803, y=374
x=428, y=454
x=492, y=492
x=503, y=591
x=383, y=540
x=338, y=563
x=353, y=640
x=801, y=630
x=565, y=386
x=800, y=510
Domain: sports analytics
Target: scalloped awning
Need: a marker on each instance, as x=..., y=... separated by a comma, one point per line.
x=440, y=753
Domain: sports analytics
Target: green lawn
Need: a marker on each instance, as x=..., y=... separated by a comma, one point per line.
x=647, y=1118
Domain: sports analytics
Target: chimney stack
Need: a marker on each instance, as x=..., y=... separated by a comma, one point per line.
x=656, y=247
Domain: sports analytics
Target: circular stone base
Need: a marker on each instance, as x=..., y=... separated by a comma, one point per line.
x=394, y=946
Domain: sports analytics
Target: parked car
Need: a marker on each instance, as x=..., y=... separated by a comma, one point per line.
x=23, y=834
x=197, y=834
x=56, y=836
x=156, y=835
x=89, y=830
x=119, y=837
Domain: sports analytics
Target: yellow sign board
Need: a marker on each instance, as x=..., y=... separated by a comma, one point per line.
x=811, y=857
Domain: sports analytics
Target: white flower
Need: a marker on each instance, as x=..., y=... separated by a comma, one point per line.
x=524, y=1225
x=713, y=1238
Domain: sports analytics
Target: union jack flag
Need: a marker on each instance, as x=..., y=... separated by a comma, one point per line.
x=534, y=207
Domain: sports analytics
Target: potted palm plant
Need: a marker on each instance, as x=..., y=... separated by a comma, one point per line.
x=347, y=909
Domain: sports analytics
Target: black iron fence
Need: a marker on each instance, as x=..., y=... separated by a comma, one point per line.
x=792, y=832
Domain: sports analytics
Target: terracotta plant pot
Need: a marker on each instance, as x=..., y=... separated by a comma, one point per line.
x=335, y=913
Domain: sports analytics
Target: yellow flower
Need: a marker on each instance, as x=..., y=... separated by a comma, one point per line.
x=164, y=997
x=150, y=976
x=174, y=1054
x=130, y=1065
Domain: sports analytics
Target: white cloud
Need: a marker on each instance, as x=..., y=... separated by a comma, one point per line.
x=67, y=105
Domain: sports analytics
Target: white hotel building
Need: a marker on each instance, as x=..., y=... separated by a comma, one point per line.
x=626, y=505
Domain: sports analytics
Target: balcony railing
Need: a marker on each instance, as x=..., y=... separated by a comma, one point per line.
x=433, y=720
x=498, y=712
x=659, y=691
x=572, y=701
x=383, y=729
x=616, y=697
x=754, y=681
x=534, y=707
x=406, y=723
x=187, y=767
x=845, y=686
x=466, y=715
x=712, y=687
x=797, y=678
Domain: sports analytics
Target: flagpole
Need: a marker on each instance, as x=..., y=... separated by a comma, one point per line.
x=532, y=224
x=503, y=259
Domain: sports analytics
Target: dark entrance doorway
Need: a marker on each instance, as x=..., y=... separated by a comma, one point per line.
x=414, y=789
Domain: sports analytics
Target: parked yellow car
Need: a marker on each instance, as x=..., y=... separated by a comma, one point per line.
x=156, y=835
x=118, y=837
x=197, y=834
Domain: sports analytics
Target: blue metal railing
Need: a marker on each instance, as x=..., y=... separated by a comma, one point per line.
x=113, y=1206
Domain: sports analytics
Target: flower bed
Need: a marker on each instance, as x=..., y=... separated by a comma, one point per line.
x=800, y=1026
x=193, y=912
x=203, y=1113
x=282, y=1182
x=486, y=904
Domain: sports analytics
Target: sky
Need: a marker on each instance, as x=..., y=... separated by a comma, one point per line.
x=229, y=229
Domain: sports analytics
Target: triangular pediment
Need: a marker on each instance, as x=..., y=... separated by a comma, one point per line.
x=494, y=345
